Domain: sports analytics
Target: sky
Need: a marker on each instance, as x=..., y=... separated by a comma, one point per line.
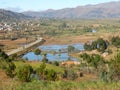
x=41, y=5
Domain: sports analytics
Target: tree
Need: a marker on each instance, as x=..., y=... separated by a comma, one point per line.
x=37, y=52
x=115, y=41
x=94, y=45
x=41, y=70
x=71, y=48
x=64, y=25
x=87, y=47
x=9, y=69
x=46, y=74
x=93, y=60
x=101, y=45
x=114, y=67
x=3, y=55
x=87, y=59
x=13, y=57
x=24, y=72
x=69, y=74
x=45, y=58
x=96, y=60
x=51, y=75
x=56, y=63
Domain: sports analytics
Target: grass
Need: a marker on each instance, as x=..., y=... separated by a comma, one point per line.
x=35, y=65
x=63, y=85
x=105, y=29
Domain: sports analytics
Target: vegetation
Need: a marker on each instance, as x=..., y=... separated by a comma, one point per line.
x=24, y=72
x=100, y=44
x=115, y=41
x=95, y=61
x=71, y=48
x=46, y=74
x=94, y=71
x=7, y=64
x=69, y=74
x=115, y=68
x=37, y=52
x=64, y=85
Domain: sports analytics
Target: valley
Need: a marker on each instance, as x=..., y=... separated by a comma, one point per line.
x=80, y=48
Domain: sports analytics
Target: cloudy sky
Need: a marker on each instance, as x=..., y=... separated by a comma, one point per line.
x=39, y=5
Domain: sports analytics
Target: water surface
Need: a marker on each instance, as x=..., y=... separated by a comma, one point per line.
x=60, y=54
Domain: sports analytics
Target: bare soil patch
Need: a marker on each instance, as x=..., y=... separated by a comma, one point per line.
x=68, y=40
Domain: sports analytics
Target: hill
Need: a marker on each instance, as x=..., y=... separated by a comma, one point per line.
x=103, y=10
x=9, y=15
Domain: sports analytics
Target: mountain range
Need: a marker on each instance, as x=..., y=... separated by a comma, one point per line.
x=9, y=15
x=103, y=10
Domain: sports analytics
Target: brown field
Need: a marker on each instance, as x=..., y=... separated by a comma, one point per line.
x=68, y=40
x=13, y=44
x=9, y=44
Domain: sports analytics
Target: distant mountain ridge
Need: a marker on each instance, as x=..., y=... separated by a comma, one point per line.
x=103, y=10
x=9, y=15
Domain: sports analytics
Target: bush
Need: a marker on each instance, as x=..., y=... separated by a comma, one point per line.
x=114, y=67
x=41, y=70
x=3, y=55
x=71, y=48
x=69, y=74
x=56, y=63
x=10, y=69
x=24, y=73
x=116, y=41
x=45, y=58
x=37, y=52
x=7, y=64
x=46, y=74
x=87, y=47
x=51, y=75
x=100, y=44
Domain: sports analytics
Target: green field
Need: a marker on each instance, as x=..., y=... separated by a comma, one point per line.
x=63, y=85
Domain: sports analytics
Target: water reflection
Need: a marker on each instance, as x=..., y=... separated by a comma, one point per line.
x=60, y=55
x=56, y=48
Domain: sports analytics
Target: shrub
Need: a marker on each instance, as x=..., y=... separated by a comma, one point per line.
x=51, y=75
x=24, y=73
x=7, y=64
x=3, y=55
x=44, y=59
x=37, y=52
x=10, y=69
x=41, y=70
x=115, y=41
x=56, y=63
x=71, y=48
x=69, y=74
x=87, y=47
x=114, y=67
x=100, y=44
